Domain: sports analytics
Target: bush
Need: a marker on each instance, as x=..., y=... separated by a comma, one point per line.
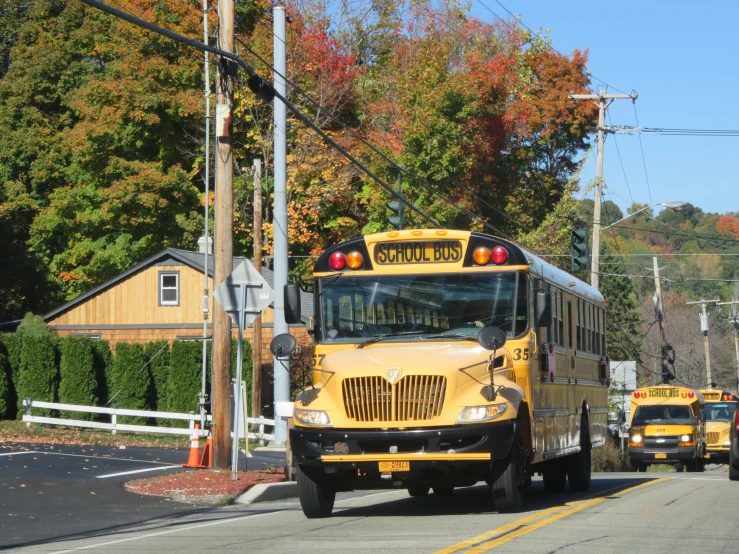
x=39, y=372
x=102, y=359
x=32, y=325
x=10, y=345
x=4, y=386
x=185, y=378
x=130, y=381
x=78, y=383
x=157, y=355
x=609, y=458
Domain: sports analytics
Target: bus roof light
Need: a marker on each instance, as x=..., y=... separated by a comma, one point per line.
x=691, y=394
x=499, y=255
x=481, y=255
x=337, y=261
x=354, y=260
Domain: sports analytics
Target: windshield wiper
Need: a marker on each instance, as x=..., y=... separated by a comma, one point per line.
x=379, y=338
x=451, y=336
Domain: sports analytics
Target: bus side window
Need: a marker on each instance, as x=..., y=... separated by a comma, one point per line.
x=561, y=320
x=569, y=324
x=577, y=327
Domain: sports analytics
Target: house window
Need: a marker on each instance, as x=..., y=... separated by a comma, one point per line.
x=169, y=288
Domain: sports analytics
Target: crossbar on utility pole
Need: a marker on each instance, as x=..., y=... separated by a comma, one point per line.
x=223, y=254
x=603, y=100
x=704, y=328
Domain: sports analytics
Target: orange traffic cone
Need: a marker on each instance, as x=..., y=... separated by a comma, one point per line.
x=207, y=459
x=194, y=460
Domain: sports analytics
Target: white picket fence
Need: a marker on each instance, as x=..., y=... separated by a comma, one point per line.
x=114, y=426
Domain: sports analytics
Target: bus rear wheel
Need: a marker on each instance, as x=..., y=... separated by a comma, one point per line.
x=578, y=468
x=554, y=475
x=316, y=499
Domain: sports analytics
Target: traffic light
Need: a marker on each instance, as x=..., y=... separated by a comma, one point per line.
x=579, y=251
x=397, y=221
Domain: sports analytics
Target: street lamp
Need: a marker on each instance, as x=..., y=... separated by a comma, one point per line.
x=675, y=205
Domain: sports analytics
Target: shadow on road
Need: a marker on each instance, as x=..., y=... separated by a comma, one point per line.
x=477, y=500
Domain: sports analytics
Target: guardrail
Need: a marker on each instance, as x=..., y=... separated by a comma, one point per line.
x=114, y=426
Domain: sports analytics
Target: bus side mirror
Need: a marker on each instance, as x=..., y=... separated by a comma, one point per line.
x=292, y=303
x=621, y=417
x=543, y=309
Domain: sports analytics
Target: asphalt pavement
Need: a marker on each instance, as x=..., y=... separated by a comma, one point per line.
x=55, y=493
x=647, y=512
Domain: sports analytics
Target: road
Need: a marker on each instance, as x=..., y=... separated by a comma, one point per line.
x=57, y=492
x=652, y=513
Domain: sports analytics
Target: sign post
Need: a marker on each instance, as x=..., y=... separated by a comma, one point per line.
x=243, y=308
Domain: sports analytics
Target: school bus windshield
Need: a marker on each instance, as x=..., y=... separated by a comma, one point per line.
x=661, y=414
x=720, y=412
x=398, y=307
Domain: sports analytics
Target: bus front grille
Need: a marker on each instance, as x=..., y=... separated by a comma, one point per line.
x=412, y=398
x=713, y=437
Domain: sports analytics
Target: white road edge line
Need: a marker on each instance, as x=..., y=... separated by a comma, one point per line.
x=168, y=532
x=136, y=471
x=20, y=453
x=97, y=457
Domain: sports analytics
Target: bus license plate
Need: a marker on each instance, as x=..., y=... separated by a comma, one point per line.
x=660, y=456
x=386, y=467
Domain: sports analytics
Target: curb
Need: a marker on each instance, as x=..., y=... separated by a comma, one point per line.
x=267, y=492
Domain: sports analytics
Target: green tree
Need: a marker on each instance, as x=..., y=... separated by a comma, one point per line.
x=10, y=347
x=39, y=371
x=78, y=383
x=102, y=358
x=185, y=376
x=6, y=398
x=32, y=325
x=157, y=355
x=130, y=381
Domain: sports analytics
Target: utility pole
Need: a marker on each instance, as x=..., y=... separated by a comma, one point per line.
x=223, y=254
x=603, y=100
x=256, y=348
x=659, y=308
x=203, y=399
x=734, y=320
x=281, y=372
x=704, y=328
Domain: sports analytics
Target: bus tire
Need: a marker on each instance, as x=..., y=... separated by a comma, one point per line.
x=505, y=489
x=679, y=467
x=417, y=492
x=554, y=475
x=316, y=499
x=443, y=491
x=578, y=468
x=733, y=472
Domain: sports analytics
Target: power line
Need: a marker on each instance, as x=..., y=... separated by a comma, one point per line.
x=643, y=159
x=623, y=169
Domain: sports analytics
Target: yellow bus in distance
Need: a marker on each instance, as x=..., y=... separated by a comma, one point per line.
x=720, y=410
x=667, y=426
x=445, y=358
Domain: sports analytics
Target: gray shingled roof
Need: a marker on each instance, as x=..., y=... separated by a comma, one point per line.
x=187, y=257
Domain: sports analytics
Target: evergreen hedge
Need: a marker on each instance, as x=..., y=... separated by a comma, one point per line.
x=185, y=378
x=102, y=358
x=39, y=371
x=78, y=382
x=11, y=345
x=157, y=355
x=4, y=385
x=128, y=383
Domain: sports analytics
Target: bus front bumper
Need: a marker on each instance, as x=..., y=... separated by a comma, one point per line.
x=719, y=454
x=666, y=456
x=434, y=446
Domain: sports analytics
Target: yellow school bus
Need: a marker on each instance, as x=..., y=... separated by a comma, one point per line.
x=720, y=410
x=446, y=358
x=667, y=426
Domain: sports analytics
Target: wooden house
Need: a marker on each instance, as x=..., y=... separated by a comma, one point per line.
x=159, y=298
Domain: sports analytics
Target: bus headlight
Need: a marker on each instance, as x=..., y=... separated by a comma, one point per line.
x=479, y=414
x=685, y=438
x=635, y=440
x=727, y=443
x=316, y=418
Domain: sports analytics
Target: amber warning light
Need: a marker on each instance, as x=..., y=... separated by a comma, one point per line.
x=338, y=260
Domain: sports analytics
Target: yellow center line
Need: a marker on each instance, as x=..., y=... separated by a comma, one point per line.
x=578, y=506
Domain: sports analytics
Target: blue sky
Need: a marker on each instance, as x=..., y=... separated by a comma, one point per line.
x=681, y=58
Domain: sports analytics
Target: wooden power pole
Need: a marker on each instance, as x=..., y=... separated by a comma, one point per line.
x=223, y=255
x=256, y=348
x=704, y=329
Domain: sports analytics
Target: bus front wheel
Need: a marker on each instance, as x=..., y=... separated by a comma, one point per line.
x=316, y=499
x=505, y=489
